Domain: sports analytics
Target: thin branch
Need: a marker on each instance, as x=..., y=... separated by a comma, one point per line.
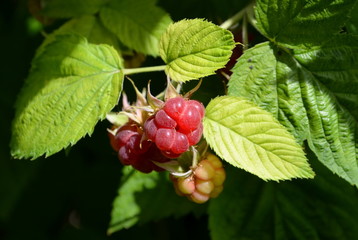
x=245, y=37
x=237, y=17
x=129, y=71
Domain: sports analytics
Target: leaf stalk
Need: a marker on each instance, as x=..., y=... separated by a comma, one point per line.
x=237, y=17
x=129, y=71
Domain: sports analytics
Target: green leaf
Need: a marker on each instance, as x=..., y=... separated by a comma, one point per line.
x=307, y=96
x=72, y=84
x=335, y=64
x=146, y=197
x=138, y=24
x=301, y=23
x=195, y=48
x=71, y=8
x=248, y=137
x=260, y=77
x=352, y=24
x=87, y=26
x=322, y=208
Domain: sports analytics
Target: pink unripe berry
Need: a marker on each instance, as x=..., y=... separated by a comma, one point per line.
x=163, y=120
x=135, y=149
x=124, y=135
x=174, y=107
x=150, y=128
x=165, y=138
x=195, y=136
x=181, y=143
x=190, y=119
x=176, y=127
x=170, y=154
x=199, y=106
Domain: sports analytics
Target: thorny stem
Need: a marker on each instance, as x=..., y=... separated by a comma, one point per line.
x=237, y=17
x=129, y=71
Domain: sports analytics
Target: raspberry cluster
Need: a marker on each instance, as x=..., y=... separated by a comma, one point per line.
x=204, y=183
x=133, y=150
x=176, y=127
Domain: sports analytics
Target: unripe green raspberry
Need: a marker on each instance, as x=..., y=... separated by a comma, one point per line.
x=205, y=170
x=205, y=182
x=214, y=160
x=219, y=177
x=198, y=197
x=205, y=187
x=186, y=185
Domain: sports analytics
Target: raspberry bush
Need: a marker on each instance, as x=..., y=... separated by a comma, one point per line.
x=245, y=109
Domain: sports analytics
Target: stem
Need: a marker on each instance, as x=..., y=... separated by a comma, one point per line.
x=237, y=17
x=245, y=37
x=251, y=18
x=129, y=71
x=195, y=157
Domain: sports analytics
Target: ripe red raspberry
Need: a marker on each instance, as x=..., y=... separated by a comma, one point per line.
x=176, y=127
x=204, y=183
x=132, y=150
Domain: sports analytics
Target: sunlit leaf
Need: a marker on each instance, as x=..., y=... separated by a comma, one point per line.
x=195, y=48
x=250, y=138
x=71, y=86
